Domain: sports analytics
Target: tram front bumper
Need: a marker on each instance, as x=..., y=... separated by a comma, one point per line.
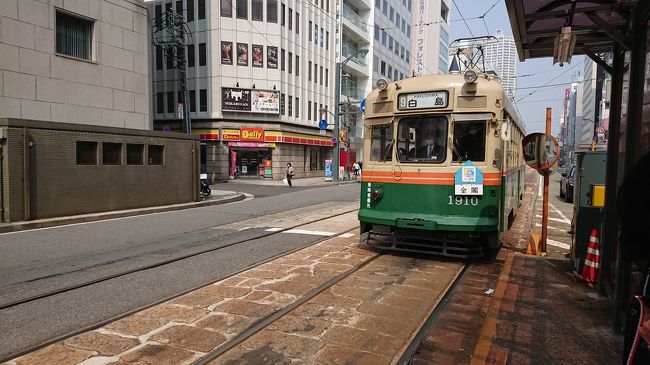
x=429, y=222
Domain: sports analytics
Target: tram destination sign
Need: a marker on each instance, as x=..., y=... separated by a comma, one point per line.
x=423, y=100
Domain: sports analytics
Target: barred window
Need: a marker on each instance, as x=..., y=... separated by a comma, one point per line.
x=73, y=36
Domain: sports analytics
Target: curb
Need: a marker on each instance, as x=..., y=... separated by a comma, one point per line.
x=92, y=217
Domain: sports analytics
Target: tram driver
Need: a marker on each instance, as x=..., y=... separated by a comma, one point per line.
x=471, y=146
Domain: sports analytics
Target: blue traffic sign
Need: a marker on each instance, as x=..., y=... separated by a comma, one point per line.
x=323, y=124
x=362, y=105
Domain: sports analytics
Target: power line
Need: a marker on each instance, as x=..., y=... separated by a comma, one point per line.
x=549, y=81
x=463, y=18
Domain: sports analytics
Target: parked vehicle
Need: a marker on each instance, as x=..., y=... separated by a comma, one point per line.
x=566, y=184
x=205, y=186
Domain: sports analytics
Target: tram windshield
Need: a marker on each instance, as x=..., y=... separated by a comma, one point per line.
x=381, y=143
x=469, y=141
x=422, y=139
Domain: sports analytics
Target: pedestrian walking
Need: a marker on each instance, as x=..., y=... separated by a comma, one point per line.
x=289, y=174
x=356, y=168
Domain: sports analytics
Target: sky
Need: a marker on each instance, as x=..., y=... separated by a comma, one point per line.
x=531, y=73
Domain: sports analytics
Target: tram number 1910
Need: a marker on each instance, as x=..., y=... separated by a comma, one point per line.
x=463, y=200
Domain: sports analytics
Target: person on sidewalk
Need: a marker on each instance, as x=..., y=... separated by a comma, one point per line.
x=356, y=168
x=289, y=174
x=633, y=207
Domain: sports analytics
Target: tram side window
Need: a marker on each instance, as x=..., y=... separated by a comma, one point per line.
x=381, y=143
x=422, y=139
x=469, y=141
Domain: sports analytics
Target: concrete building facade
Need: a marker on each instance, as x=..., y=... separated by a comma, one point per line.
x=83, y=61
x=260, y=75
x=430, y=38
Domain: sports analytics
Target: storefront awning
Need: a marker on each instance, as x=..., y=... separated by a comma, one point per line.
x=597, y=25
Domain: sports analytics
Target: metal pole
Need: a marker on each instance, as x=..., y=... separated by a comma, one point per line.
x=547, y=177
x=337, y=146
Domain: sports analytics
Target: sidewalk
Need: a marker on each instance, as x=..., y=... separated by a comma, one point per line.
x=306, y=181
x=217, y=197
x=538, y=313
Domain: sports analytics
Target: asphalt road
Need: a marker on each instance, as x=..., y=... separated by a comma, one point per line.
x=37, y=261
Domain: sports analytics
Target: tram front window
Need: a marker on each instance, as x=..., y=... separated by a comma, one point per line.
x=422, y=139
x=469, y=141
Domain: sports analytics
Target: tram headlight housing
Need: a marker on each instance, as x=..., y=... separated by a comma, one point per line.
x=470, y=76
x=382, y=84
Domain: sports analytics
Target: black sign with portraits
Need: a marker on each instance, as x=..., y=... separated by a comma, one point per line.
x=272, y=57
x=226, y=53
x=257, y=55
x=242, y=54
x=236, y=99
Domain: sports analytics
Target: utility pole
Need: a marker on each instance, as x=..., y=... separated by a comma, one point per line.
x=171, y=34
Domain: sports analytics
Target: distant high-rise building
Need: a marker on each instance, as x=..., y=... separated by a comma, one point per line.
x=501, y=57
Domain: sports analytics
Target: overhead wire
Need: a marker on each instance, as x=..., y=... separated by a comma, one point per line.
x=463, y=18
x=549, y=81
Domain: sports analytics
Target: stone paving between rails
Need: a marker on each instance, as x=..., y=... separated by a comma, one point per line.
x=366, y=318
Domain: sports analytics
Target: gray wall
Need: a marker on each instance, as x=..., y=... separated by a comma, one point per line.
x=57, y=186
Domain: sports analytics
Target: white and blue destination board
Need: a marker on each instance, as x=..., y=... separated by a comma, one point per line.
x=423, y=100
x=468, y=180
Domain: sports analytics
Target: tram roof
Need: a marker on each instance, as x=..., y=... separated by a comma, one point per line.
x=598, y=24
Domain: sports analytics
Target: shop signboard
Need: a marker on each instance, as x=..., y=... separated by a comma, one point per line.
x=250, y=101
x=252, y=134
x=263, y=101
x=230, y=135
x=268, y=168
x=235, y=99
x=251, y=144
x=328, y=170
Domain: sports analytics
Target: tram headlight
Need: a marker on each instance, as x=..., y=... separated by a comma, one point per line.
x=382, y=84
x=470, y=76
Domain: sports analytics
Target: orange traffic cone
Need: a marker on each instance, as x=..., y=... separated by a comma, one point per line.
x=591, y=266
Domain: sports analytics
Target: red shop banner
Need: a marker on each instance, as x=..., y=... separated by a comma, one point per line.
x=252, y=134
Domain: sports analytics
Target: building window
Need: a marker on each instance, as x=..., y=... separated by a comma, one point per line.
x=203, y=100
x=327, y=6
x=134, y=154
x=159, y=58
x=316, y=73
x=321, y=75
x=310, y=24
x=321, y=36
x=242, y=9
x=282, y=17
x=111, y=153
x=169, y=59
x=384, y=37
x=378, y=4
x=383, y=68
x=160, y=100
x=201, y=9
x=282, y=54
x=444, y=12
x=190, y=55
x=389, y=74
x=170, y=102
x=202, y=54
x=73, y=36
x=156, y=154
x=290, y=16
x=158, y=12
x=86, y=153
x=226, y=8
x=290, y=108
x=309, y=72
x=190, y=10
x=376, y=33
x=272, y=11
x=327, y=77
x=297, y=23
x=316, y=111
x=316, y=34
x=297, y=107
x=192, y=101
x=297, y=65
x=257, y=10
x=290, y=64
x=309, y=110
x=282, y=96
x=327, y=40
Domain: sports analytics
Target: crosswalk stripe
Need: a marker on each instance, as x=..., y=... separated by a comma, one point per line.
x=346, y=235
x=556, y=219
x=274, y=229
x=305, y=231
x=566, y=220
x=555, y=243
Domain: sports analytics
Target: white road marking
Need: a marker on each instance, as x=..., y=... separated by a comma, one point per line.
x=306, y=231
x=555, y=219
x=346, y=235
x=566, y=220
x=540, y=190
x=551, y=227
x=274, y=229
x=243, y=229
x=555, y=243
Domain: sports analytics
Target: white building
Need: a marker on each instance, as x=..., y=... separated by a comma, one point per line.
x=501, y=57
x=82, y=62
x=430, y=38
x=259, y=72
x=392, y=42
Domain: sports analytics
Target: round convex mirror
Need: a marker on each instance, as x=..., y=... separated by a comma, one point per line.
x=541, y=152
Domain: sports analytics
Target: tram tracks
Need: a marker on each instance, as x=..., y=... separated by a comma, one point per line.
x=160, y=263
